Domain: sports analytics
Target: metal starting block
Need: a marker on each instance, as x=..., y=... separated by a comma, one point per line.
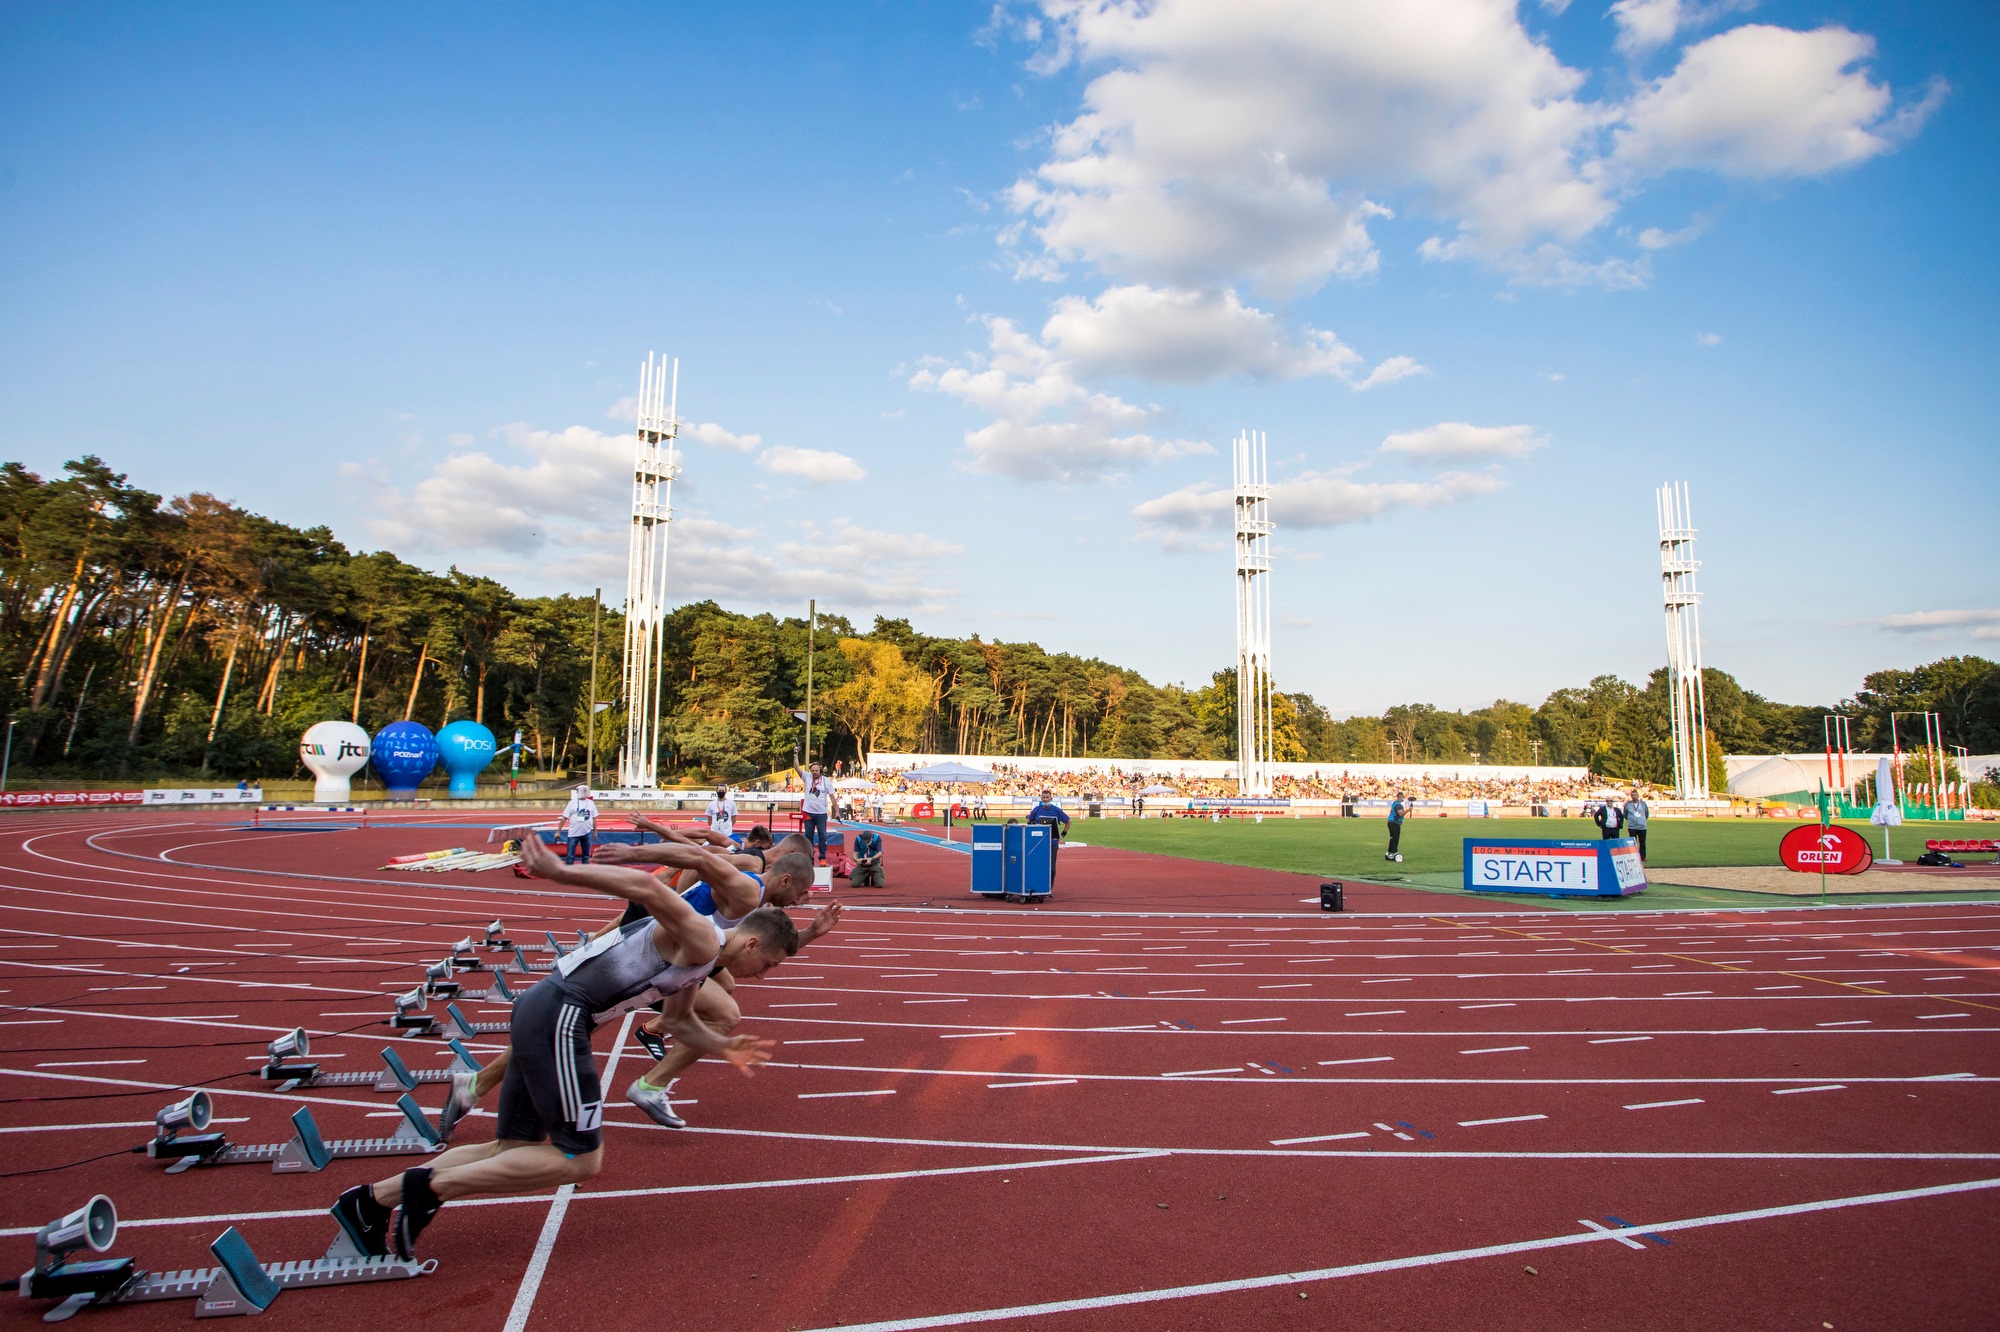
x=239, y=1285
x=306, y=1150
x=410, y=1015
x=521, y=966
x=440, y=980
x=467, y=1027
x=395, y=1074
x=496, y=936
x=497, y=993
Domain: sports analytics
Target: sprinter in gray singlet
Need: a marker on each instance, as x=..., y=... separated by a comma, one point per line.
x=551, y=1089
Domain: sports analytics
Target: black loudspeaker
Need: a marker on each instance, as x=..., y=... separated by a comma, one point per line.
x=1332, y=897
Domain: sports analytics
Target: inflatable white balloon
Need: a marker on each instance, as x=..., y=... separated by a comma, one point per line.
x=334, y=751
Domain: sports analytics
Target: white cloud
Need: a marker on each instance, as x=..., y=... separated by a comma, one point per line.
x=716, y=437
x=1762, y=101
x=1984, y=624
x=1263, y=143
x=1645, y=24
x=1708, y=339
x=1174, y=333
x=816, y=465
x=552, y=510
x=1308, y=501
x=1459, y=440
x=1047, y=426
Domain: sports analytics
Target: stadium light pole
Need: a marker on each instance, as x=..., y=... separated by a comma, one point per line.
x=590, y=708
x=655, y=464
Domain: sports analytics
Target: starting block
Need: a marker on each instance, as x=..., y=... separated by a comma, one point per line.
x=497, y=993
x=395, y=1074
x=410, y=1015
x=467, y=1027
x=440, y=980
x=496, y=935
x=555, y=945
x=305, y=1150
x=240, y=1284
x=521, y=966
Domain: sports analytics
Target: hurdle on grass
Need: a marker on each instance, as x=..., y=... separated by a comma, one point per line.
x=240, y=1284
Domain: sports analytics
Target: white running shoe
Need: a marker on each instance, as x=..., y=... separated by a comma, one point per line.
x=458, y=1102
x=1399, y=858
x=656, y=1105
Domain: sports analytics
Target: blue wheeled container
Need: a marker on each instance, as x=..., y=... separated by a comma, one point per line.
x=1012, y=860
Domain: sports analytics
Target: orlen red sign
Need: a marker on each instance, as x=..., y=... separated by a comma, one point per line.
x=1811, y=849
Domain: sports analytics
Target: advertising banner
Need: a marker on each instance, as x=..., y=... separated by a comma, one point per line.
x=1811, y=849
x=203, y=795
x=1554, y=868
x=71, y=799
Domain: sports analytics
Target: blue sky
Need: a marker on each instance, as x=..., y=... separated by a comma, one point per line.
x=969, y=303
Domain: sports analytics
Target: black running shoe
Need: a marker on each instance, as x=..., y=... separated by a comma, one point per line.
x=419, y=1206
x=653, y=1044
x=363, y=1220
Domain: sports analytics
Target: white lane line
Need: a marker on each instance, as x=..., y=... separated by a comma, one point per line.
x=1045, y=1082
x=1324, y=1137
x=1940, y=1017
x=805, y=1005
x=1661, y=1105
x=1792, y=1091
x=827, y=1040
x=1177, y=992
x=1778, y=987
x=968, y=1035
x=1242, y=1022
x=1378, y=1012
x=1290, y=985
x=827, y=1096
x=1203, y=1072
x=1371, y=1059
x=1682, y=994
x=96, y=1063
x=1494, y=1049
x=1851, y=1022
x=1392, y=980
x=538, y=1263
x=934, y=1001
x=1607, y=1231
x=1470, y=1007
x=1510, y=1119
x=1618, y=1040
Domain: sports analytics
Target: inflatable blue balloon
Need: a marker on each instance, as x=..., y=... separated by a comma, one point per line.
x=465, y=748
x=403, y=754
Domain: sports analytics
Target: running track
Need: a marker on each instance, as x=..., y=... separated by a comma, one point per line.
x=1065, y=1119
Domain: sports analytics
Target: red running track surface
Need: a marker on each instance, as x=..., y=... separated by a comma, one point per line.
x=1039, y=1120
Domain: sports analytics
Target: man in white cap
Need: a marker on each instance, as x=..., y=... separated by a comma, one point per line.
x=578, y=821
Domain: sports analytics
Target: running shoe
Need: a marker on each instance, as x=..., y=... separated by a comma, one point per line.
x=656, y=1105
x=363, y=1220
x=653, y=1044
x=458, y=1102
x=420, y=1204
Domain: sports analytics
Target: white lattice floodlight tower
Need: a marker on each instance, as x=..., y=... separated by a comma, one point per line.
x=1253, y=616
x=655, y=464
x=1690, y=709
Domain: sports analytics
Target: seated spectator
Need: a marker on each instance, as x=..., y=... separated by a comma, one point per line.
x=867, y=869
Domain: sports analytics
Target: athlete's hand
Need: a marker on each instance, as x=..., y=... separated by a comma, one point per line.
x=823, y=922
x=644, y=824
x=748, y=1053
x=535, y=854
x=615, y=853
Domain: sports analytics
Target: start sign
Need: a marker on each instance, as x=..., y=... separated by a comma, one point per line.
x=1604, y=868
x=1811, y=849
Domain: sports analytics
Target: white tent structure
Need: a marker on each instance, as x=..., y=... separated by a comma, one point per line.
x=1778, y=776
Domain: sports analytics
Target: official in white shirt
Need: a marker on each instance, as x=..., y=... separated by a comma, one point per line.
x=813, y=805
x=579, y=822
x=722, y=810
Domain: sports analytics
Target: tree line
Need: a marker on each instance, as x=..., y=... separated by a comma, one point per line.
x=188, y=636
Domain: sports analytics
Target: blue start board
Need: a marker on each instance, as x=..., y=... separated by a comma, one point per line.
x=1607, y=868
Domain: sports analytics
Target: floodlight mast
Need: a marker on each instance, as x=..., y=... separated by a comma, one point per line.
x=655, y=464
x=1253, y=615
x=1677, y=586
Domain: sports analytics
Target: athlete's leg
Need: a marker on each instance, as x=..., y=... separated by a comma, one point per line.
x=716, y=1007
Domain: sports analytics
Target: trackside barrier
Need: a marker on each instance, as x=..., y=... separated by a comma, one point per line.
x=239, y=1284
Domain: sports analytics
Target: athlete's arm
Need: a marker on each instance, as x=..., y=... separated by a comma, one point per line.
x=823, y=922
x=746, y=1052
x=685, y=936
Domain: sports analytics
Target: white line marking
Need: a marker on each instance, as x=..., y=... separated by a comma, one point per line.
x=1240, y=1022
x=1469, y=1007
x=1203, y=1072
x=825, y=1096
x=1618, y=1040
x=1939, y=1017
x=1790, y=1091
x=1159, y=1294
x=1177, y=992
x=538, y=1263
x=1852, y=1022
x=1324, y=1137
x=1378, y=1012
x=120, y=1123
x=1625, y=1240
x=805, y=1005
x=1371, y=1059
x=967, y=1035
x=1292, y=985
x=95, y=1063
x=933, y=1001
x=1661, y=1105
x=1045, y=1082
x=1510, y=1119
x=1495, y=1049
